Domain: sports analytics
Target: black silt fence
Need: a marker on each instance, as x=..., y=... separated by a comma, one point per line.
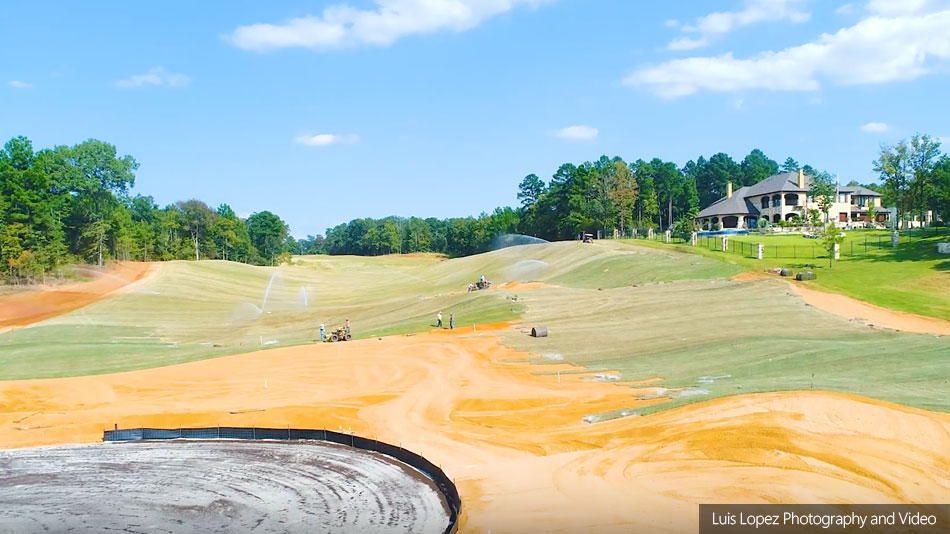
x=441, y=480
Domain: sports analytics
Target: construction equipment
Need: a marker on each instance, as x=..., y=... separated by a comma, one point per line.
x=588, y=238
x=340, y=334
x=481, y=284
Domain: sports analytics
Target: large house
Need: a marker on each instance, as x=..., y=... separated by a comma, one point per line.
x=782, y=197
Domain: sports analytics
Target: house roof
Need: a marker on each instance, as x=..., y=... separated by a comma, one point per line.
x=779, y=183
x=859, y=190
x=737, y=204
x=786, y=182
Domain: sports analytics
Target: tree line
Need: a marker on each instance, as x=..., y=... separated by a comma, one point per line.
x=594, y=196
x=915, y=177
x=74, y=204
x=611, y=194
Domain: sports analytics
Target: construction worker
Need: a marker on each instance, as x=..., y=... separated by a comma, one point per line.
x=451, y=321
x=439, y=320
x=347, y=325
x=323, y=332
x=483, y=279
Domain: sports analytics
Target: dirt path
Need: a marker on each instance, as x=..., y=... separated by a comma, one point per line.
x=43, y=302
x=851, y=308
x=515, y=442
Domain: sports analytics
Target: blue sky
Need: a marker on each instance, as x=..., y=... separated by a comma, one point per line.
x=324, y=111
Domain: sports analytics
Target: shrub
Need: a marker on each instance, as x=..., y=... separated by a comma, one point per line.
x=684, y=228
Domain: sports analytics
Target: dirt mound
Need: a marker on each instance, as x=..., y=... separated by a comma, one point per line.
x=516, y=442
x=43, y=302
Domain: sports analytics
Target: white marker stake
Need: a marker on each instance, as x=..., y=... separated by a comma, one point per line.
x=558, y=377
x=265, y=384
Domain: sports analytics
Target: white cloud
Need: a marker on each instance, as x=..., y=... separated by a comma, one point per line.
x=577, y=133
x=672, y=23
x=17, y=84
x=874, y=127
x=891, y=8
x=875, y=50
x=714, y=24
x=325, y=139
x=341, y=25
x=845, y=9
x=155, y=76
x=687, y=43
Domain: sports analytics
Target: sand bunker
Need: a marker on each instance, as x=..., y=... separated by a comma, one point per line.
x=43, y=302
x=217, y=486
x=515, y=442
x=850, y=308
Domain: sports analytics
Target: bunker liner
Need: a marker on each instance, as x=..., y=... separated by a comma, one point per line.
x=441, y=480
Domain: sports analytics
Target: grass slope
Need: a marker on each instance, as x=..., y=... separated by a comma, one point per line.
x=195, y=310
x=912, y=277
x=707, y=339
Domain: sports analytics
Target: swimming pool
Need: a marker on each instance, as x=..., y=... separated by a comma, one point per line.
x=727, y=231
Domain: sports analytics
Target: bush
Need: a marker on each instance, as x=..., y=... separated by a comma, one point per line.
x=684, y=228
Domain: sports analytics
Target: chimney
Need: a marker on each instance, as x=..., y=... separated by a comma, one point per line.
x=729, y=190
x=801, y=178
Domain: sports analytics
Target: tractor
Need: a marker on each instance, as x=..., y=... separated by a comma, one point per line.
x=340, y=334
x=481, y=284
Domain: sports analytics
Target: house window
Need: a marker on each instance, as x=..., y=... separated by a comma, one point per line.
x=765, y=201
x=791, y=199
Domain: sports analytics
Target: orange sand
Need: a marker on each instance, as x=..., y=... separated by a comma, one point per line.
x=850, y=308
x=515, y=442
x=525, y=286
x=43, y=302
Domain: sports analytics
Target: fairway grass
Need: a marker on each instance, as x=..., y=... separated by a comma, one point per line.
x=708, y=339
x=194, y=310
x=911, y=278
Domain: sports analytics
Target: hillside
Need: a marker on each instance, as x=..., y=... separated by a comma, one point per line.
x=193, y=310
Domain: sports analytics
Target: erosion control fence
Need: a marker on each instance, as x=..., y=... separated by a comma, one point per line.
x=445, y=485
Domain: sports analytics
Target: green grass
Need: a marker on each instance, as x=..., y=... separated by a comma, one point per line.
x=912, y=277
x=195, y=310
x=755, y=336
